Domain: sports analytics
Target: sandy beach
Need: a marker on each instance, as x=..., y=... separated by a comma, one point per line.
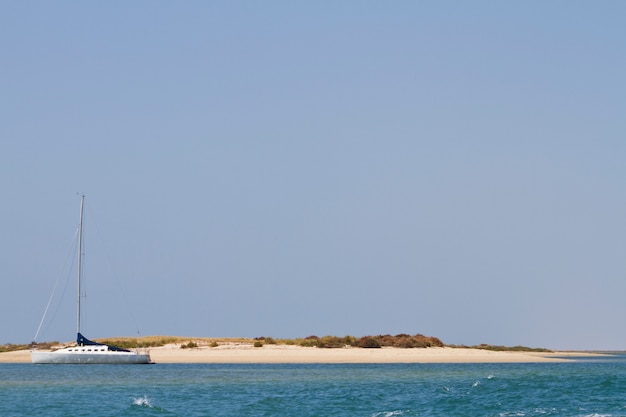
x=242, y=353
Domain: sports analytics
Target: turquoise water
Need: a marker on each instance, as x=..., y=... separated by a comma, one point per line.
x=583, y=388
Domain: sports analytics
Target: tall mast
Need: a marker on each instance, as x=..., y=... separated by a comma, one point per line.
x=80, y=259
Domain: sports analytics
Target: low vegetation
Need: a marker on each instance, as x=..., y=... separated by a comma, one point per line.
x=498, y=348
x=325, y=342
x=330, y=342
x=189, y=345
x=142, y=342
x=10, y=347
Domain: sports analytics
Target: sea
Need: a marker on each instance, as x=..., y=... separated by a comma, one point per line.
x=585, y=387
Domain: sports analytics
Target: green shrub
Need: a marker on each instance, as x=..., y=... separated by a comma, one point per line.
x=268, y=340
x=330, y=342
x=406, y=342
x=369, y=342
x=310, y=341
x=350, y=341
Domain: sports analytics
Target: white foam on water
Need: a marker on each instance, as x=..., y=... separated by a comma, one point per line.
x=388, y=413
x=142, y=402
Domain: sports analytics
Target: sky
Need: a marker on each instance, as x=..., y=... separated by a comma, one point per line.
x=286, y=169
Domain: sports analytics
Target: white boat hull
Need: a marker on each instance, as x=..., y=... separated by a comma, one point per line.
x=89, y=355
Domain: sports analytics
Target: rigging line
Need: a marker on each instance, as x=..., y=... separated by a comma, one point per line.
x=70, y=275
x=56, y=284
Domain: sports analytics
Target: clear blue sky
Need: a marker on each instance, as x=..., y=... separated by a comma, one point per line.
x=286, y=169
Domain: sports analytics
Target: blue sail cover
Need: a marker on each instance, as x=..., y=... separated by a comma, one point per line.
x=83, y=341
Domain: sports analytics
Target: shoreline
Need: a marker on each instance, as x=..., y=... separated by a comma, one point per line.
x=269, y=354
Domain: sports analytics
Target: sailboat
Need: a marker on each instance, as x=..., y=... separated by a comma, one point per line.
x=87, y=351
